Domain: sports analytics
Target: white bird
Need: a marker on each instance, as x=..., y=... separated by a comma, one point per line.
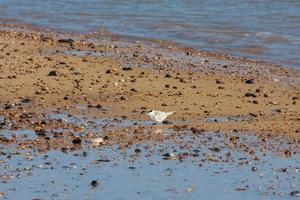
x=159, y=116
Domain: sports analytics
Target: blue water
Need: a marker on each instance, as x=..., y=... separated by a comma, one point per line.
x=126, y=175
x=265, y=30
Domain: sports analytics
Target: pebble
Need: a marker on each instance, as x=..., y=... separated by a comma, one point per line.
x=68, y=40
x=25, y=100
x=254, y=169
x=52, y=73
x=76, y=140
x=137, y=151
x=40, y=132
x=97, y=141
x=295, y=194
x=219, y=82
x=250, y=81
x=169, y=156
x=126, y=68
x=94, y=183
x=196, y=130
x=249, y=94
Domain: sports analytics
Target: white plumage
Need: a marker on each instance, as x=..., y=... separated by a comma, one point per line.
x=159, y=116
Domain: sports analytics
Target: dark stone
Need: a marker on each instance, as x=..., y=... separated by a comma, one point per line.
x=250, y=81
x=219, y=82
x=41, y=133
x=167, y=122
x=106, y=138
x=52, y=73
x=133, y=90
x=295, y=194
x=98, y=106
x=168, y=76
x=215, y=149
x=94, y=183
x=76, y=140
x=68, y=40
x=168, y=155
x=131, y=167
x=123, y=98
x=7, y=106
x=126, y=68
x=196, y=130
x=103, y=160
x=137, y=151
x=249, y=94
x=25, y=100
x=135, y=54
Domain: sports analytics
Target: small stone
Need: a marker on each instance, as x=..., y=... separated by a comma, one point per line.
x=219, y=82
x=135, y=54
x=40, y=132
x=254, y=169
x=76, y=140
x=52, y=73
x=68, y=40
x=94, y=183
x=25, y=100
x=169, y=156
x=133, y=90
x=288, y=153
x=123, y=98
x=250, y=81
x=182, y=80
x=295, y=194
x=249, y=94
x=196, y=130
x=137, y=151
x=8, y=106
x=126, y=68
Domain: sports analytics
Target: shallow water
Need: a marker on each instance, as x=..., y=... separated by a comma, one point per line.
x=123, y=174
x=267, y=30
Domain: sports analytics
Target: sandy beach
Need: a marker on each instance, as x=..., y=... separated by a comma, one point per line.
x=45, y=73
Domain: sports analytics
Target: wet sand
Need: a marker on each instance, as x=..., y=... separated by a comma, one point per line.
x=69, y=92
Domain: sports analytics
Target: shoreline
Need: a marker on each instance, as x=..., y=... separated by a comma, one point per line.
x=103, y=33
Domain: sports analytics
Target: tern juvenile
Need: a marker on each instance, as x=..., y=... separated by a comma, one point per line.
x=159, y=116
